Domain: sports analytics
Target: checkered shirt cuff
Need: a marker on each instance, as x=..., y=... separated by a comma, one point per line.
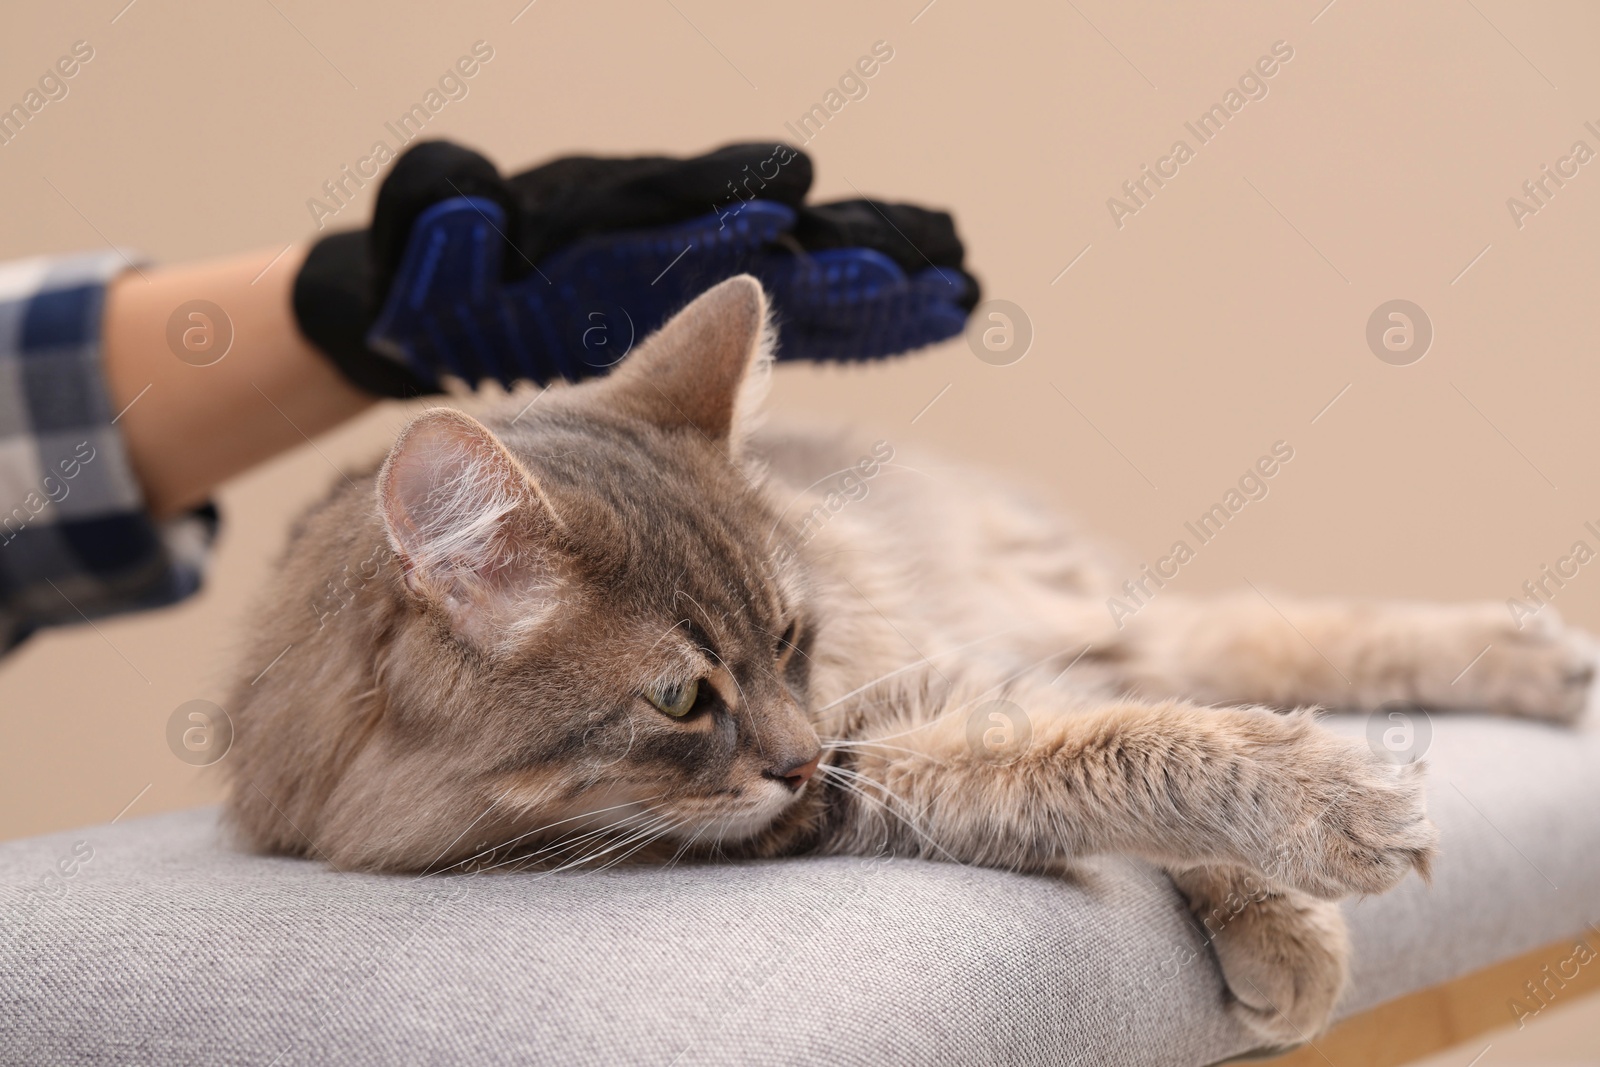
x=75, y=540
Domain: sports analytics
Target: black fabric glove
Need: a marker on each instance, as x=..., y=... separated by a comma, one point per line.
x=578, y=211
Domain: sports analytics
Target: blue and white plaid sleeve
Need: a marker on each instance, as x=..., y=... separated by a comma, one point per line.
x=75, y=539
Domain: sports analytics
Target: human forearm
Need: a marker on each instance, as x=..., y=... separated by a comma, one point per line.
x=193, y=424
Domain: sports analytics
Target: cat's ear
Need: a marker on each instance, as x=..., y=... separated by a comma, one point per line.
x=706, y=368
x=467, y=521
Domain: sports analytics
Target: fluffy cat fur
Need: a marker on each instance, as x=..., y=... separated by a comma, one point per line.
x=513, y=589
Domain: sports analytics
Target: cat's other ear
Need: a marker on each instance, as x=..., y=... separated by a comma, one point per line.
x=468, y=523
x=706, y=369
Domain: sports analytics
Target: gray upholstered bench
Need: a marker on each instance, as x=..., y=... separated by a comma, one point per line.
x=168, y=947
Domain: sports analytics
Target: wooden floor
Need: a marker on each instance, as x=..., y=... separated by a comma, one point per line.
x=1425, y=1022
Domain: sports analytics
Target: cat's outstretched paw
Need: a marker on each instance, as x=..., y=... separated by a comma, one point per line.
x=1535, y=666
x=1335, y=819
x=1284, y=956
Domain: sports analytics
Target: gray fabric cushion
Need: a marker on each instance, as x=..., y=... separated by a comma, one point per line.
x=167, y=947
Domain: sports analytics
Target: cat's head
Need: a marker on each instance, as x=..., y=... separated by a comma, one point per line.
x=593, y=617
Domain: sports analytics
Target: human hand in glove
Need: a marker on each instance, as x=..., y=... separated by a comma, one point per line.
x=556, y=272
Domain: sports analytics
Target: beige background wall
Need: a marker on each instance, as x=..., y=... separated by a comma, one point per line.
x=1222, y=317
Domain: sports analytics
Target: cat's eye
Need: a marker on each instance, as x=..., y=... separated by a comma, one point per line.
x=674, y=699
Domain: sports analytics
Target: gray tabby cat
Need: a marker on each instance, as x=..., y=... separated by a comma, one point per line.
x=597, y=631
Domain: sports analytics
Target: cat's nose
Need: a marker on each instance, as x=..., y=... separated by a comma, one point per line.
x=796, y=774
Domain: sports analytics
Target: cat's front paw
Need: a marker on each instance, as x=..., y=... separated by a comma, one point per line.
x=1334, y=819
x=1535, y=666
x=1284, y=956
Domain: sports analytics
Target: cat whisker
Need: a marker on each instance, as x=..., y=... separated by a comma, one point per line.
x=567, y=843
x=934, y=719
x=688, y=844
x=540, y=829
x=951, y=710
x=913, y=666
x=997, y=687
x=863, y=796
x=648, y=807
x=890, y=737
x=844, y=782
x=705, y=615
x=717, y=838
x=908, y=468
x=656, y=828
x=744, y=701
x=684, y=848
x=575, y=840
x=463, y=833
x=663, y=636
x=670, y=826
x=867, y=744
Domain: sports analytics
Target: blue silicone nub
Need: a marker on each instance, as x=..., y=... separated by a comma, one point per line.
x=451, y=311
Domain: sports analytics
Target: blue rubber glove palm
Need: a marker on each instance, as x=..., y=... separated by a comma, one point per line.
x=558, y=271
x=451, y=310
